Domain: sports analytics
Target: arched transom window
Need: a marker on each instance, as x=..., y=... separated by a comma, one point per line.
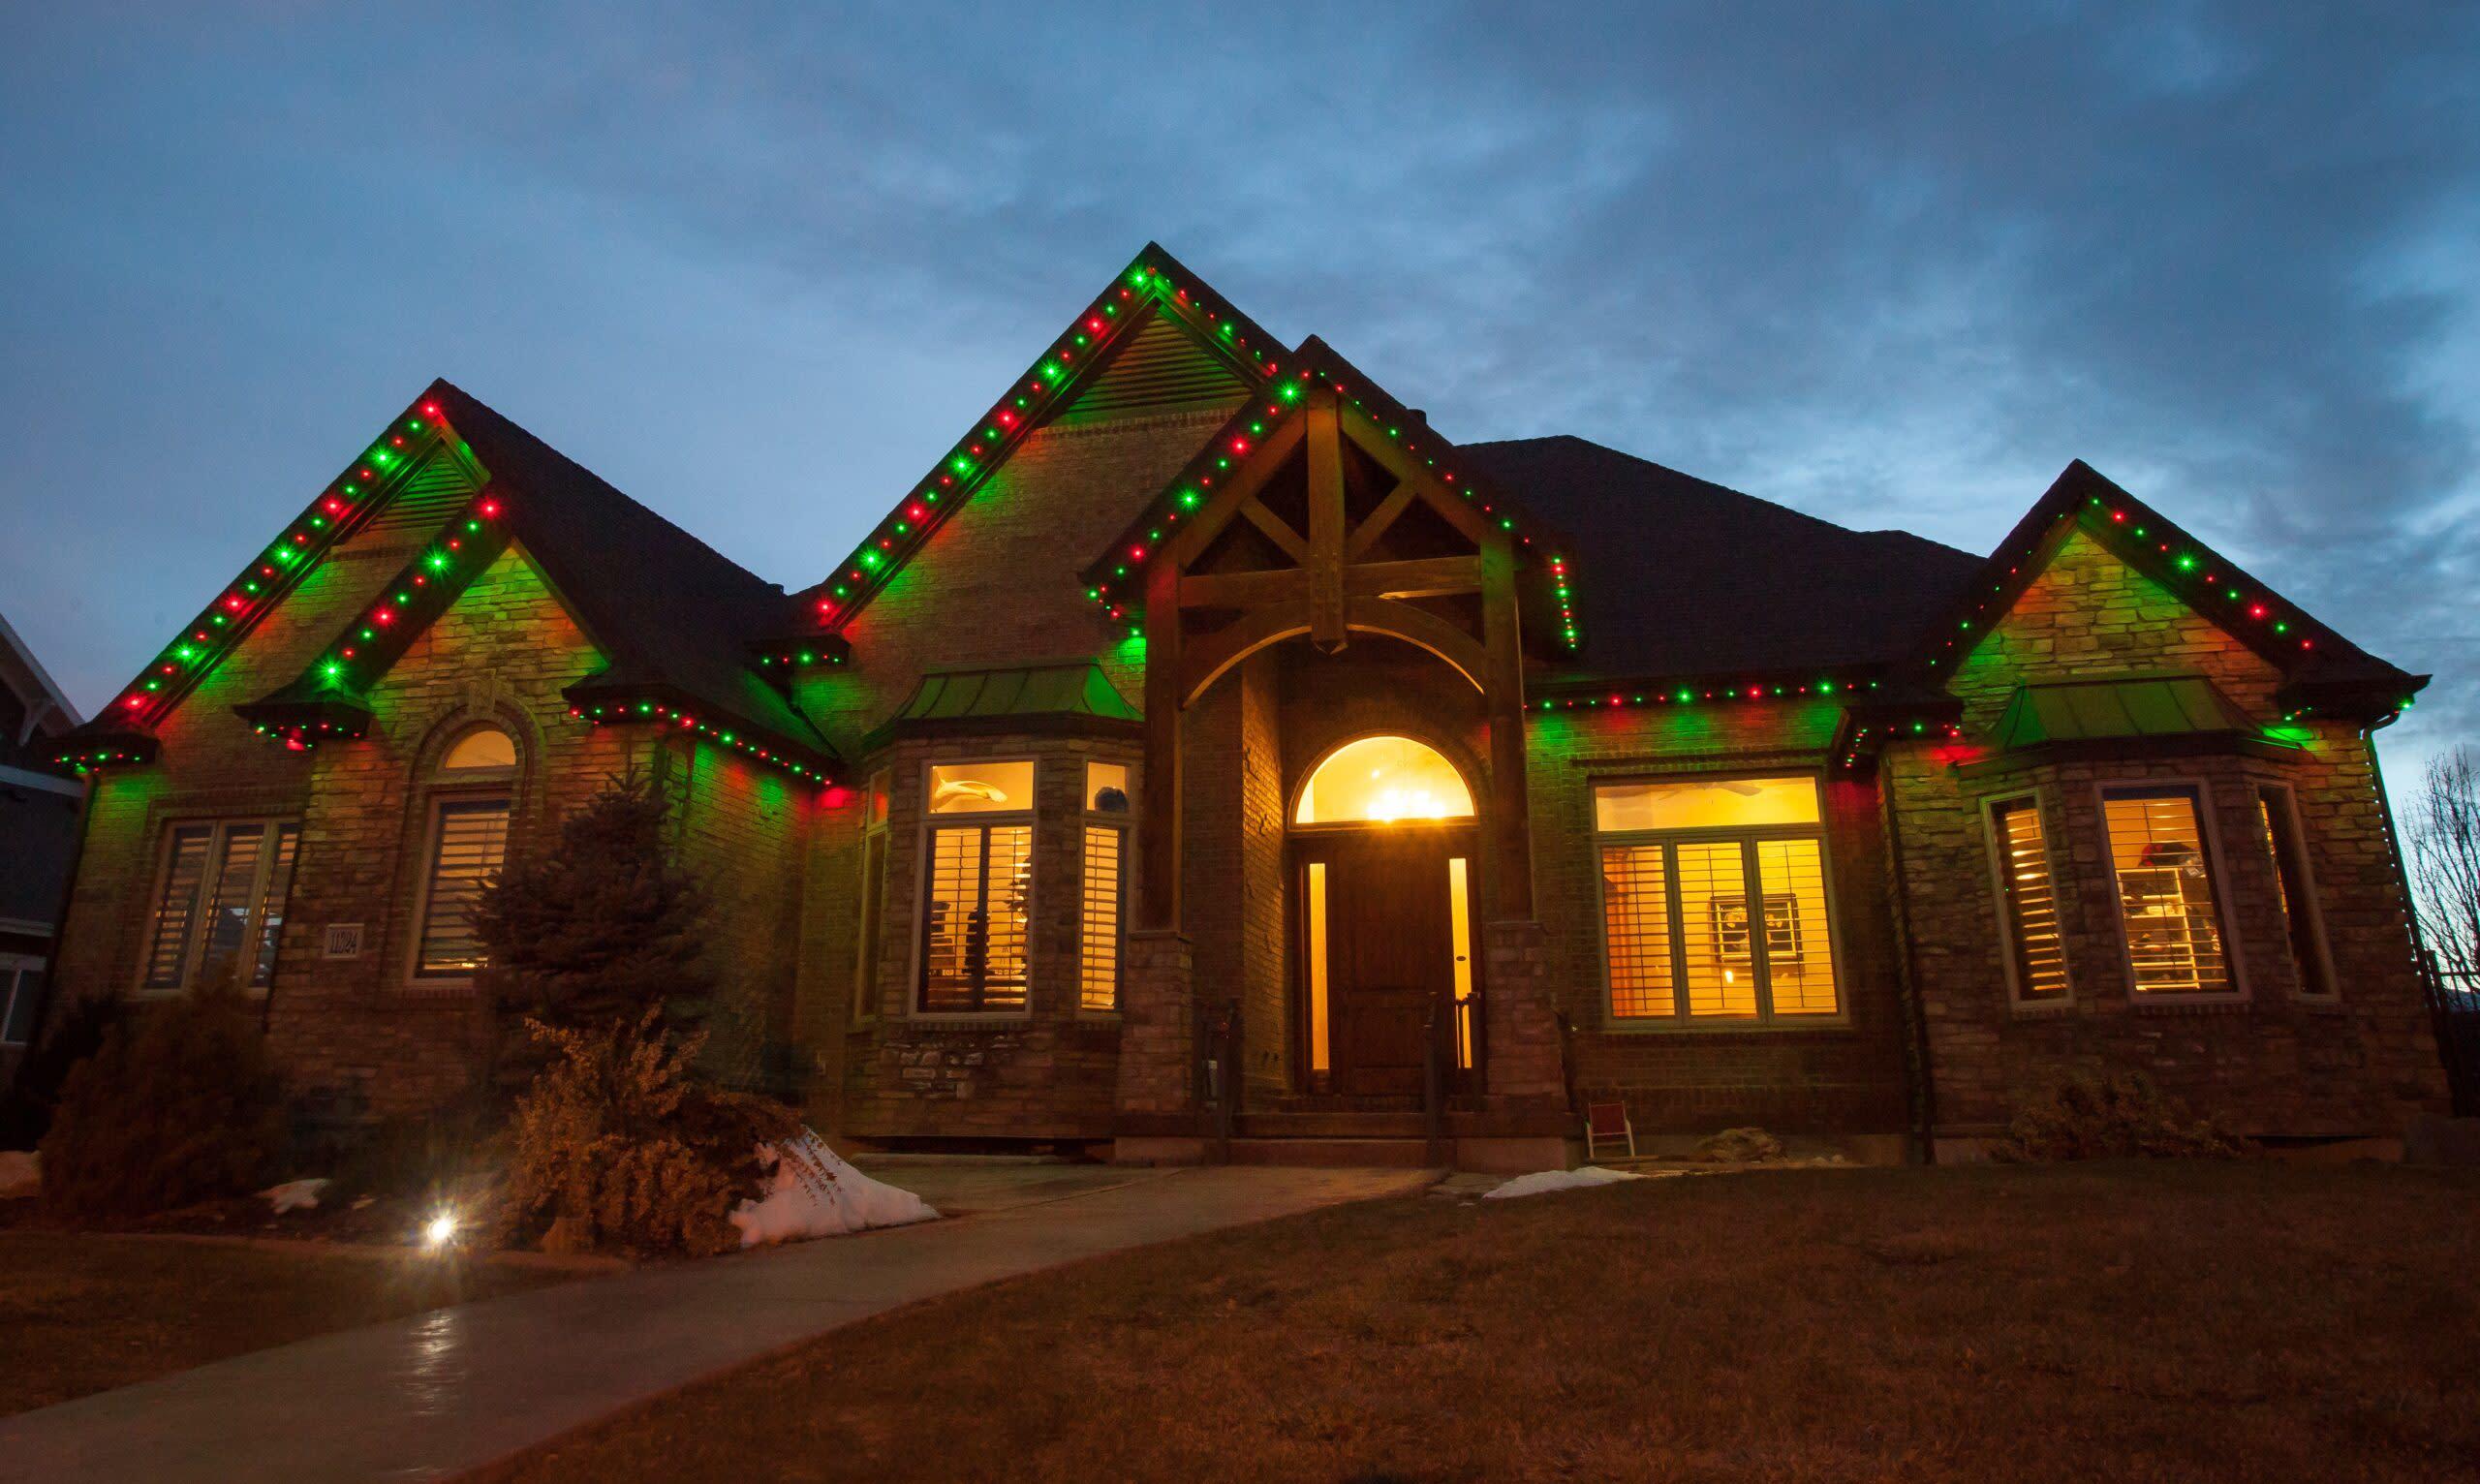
x=1381, y=779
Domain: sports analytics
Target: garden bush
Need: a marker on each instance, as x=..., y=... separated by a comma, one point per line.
x=2116, y=1117
x=76, y=1033
x=178, y=1104
x=617, y=1147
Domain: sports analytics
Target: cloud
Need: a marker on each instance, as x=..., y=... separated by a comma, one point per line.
x=1893, y=266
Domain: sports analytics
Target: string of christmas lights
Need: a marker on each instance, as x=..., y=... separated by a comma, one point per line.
x=663, y=713
x=1151, y=278
x=339, y=509
x=1247, y=429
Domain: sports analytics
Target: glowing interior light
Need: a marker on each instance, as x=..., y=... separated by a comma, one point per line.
x=439, y=1230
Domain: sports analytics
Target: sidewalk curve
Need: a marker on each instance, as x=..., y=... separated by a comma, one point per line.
x=444, y=1391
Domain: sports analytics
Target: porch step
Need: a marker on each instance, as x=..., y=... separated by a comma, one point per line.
x=1332, y=1124
x=1389, y=1154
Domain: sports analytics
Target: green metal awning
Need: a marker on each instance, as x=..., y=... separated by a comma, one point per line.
x=1049, y=696
x=2121, y=707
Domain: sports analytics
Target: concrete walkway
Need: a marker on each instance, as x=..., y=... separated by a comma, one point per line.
x=456, y=1388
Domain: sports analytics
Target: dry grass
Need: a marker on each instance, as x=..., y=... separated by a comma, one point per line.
x=81, y=1313
x=2163, y=1322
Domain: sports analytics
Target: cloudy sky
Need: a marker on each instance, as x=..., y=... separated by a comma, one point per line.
x=1892, y=268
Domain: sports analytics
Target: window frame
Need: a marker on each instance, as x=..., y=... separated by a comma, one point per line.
x=434, y=819
x=442, y=788
x=917, y=981
x=193, y=957
x=1680, y=1022
x=2322, y=966
x=870, y=906
x=15, y=971
x=2010, y=953
x=1121, y=822
x=2199, y=792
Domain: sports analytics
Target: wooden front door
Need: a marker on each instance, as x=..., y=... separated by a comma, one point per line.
x=1389, y=952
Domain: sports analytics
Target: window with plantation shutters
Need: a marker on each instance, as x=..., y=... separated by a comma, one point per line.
x=2037, y=951
x=2168, y=899
x=979, y=913
x=1714, y=902
x=1098, y=960
x=976, y=889
x=469, y=841
x=219, y=905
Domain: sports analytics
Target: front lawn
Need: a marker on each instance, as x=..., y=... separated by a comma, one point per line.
x=82, y=1312
x=2151, y=1323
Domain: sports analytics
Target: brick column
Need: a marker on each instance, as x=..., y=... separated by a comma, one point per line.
x=1527, y=1062
x=1157, y=1115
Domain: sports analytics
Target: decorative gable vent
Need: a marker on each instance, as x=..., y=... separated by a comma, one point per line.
x=1163, y=369
x=437, y=489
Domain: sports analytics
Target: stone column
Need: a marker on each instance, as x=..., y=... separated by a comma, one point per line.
x=1527, y=1062
x=1157, y=1118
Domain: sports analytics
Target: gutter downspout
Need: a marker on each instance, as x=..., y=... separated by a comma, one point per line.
x=1923, y=1086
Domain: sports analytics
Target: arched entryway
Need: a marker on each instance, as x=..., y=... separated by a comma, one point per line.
x=1381, y=854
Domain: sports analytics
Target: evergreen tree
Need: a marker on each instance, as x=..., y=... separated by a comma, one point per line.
x=602, y=926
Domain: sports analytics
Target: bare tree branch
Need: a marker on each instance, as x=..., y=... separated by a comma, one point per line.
x=2445, y=865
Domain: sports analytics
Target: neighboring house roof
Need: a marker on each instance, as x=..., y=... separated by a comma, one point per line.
x=1677, y=575
x=48, y=711
x=2126, y=706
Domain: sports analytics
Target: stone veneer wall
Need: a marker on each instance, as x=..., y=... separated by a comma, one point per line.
x=2273, y=1063
x=355, y=1034
x=1048, y=1074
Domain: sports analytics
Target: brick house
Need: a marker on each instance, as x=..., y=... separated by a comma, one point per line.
x=1206, y=758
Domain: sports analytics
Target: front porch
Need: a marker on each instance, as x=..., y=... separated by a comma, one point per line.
x=1336, y=957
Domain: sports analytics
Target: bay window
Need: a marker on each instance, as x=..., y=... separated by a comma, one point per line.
x=2168, y=903
x=2027, y=902
x=977, y=888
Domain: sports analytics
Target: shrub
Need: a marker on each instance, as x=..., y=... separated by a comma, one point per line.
x=602, y=923
x=77, y=1034
x=2117, y=1117
x=616, y=1146
x=178, y=1104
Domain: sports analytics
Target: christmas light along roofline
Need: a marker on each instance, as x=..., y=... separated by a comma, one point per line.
x=336, y=513
x=372, y=642
x=1246, y=431
x=663, y=711
x=2212, y=586
x=1047, y=386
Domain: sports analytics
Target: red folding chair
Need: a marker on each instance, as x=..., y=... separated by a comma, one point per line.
x=1607, y=1122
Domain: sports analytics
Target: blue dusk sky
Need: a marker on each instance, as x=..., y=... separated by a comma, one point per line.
x=758, y=266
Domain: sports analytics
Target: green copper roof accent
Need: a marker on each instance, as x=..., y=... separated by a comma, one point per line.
x=1050, y=688
x=2126, y=706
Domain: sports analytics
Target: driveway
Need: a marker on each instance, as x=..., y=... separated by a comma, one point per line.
x=449, y=1391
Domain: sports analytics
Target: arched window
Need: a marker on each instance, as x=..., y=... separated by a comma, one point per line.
x=1381, y=779
x=485, y=747
x=465, y=841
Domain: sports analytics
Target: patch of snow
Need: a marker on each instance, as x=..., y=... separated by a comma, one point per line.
x=20, y=1174
x=815, y=1193
x=294, y=1195
x=1543, y=1182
